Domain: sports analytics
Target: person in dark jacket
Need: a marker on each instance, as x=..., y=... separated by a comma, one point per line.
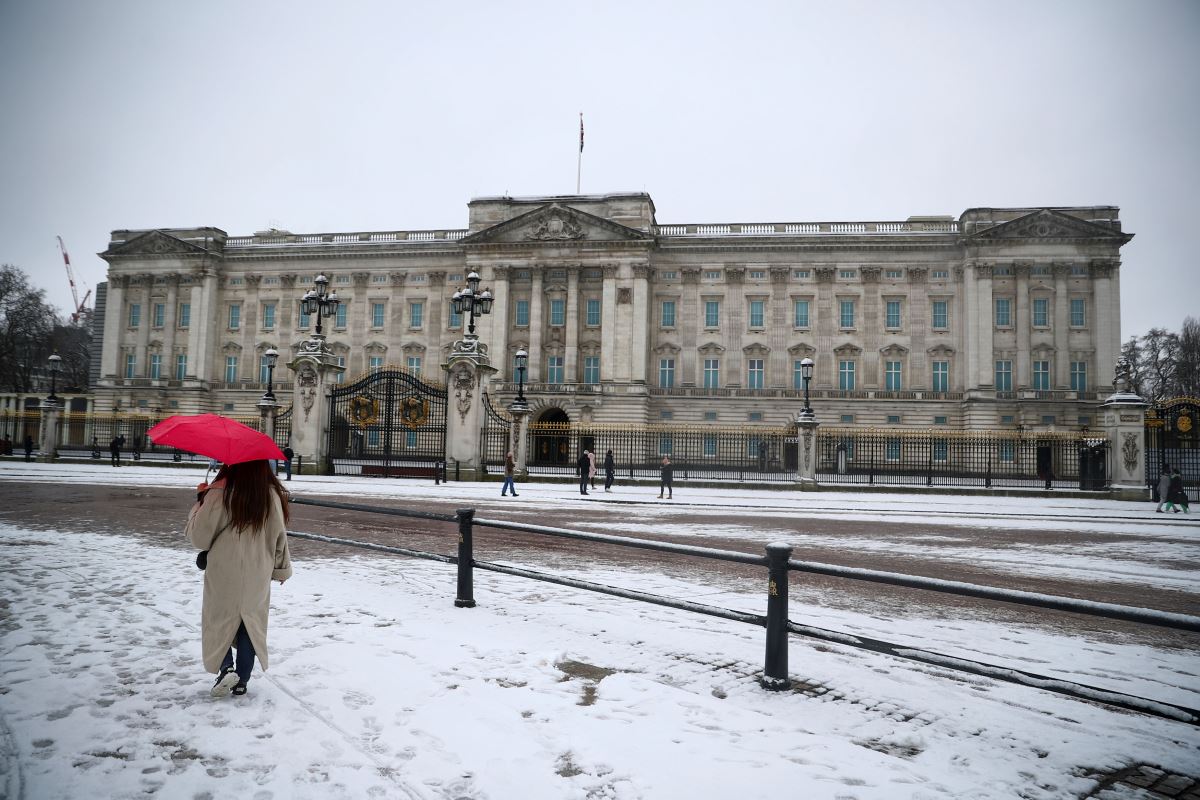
x=1176, y=493
x=114, y=449
x=288, y=455
x=666, y=475
x=28, y=448
x=583, y=464
x=509, y=468
x=610, y=470
x=1164, y=490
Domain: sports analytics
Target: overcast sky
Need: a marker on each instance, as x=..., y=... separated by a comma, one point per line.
x=391, y=116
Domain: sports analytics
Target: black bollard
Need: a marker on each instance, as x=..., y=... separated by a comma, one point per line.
x=775, y=670
x=466, y=559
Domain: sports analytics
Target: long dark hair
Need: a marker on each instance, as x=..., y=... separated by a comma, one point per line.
x=247, y=493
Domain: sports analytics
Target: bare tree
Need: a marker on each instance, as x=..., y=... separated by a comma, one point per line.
x=26, y=327
x=1187, y=360
x=1134, y=356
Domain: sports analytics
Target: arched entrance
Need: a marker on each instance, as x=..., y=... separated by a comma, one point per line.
x=551, y=433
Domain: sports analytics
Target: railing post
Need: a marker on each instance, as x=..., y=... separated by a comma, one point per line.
x=775, y=669
x=466, y=559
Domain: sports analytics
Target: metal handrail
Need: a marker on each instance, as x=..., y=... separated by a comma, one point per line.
x=776, y=620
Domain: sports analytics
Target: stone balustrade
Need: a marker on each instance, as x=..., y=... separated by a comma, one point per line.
x=668, y=231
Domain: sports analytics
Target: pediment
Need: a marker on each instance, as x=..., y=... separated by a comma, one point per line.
x=555, y=224
x=1046, y=224
x=154, y=243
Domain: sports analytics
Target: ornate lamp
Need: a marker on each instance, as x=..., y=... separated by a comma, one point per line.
x=319, y=301
x=271, y=357
x=55, y=367
x=522, y=359
x=806, y=371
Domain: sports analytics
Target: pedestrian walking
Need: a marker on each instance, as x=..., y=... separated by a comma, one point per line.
x=592, y=467
x=114, y=449
x=610, y=470
x=1164, y=490
x=1176, y=493
x=241, y=520
x=509, y=468
x=666, y=475
x=582, y=466
x=288, y=455
x=28, y=448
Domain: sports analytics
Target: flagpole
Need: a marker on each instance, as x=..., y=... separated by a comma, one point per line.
x=579, y=162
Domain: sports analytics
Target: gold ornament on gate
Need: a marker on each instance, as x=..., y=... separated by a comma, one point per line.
x=1184, y=424
x=414, y=411
x=364, y=411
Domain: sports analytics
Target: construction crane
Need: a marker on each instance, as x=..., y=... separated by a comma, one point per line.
x=80, y=305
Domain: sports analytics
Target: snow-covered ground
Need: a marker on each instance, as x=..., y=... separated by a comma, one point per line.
x=381, y=688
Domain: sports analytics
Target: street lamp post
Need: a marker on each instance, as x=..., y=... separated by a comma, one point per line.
x=271, y=356
x=319, y=301
x=472, y=302
x=806, y=371
x=55, y=367
x=522, y=359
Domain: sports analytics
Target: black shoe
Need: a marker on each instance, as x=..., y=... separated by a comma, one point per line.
x=515, y=494
x=239, y=689
x=226, y=679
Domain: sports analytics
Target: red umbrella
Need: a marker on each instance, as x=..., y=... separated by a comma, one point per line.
x=216, y=437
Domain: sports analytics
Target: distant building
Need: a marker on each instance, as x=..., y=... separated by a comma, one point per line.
x=1001, y=317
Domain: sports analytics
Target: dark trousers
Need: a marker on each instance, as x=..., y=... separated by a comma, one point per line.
x=116, y=457
x=608, y=480
x=287, y=465
x=583, y=482
x=245, y=654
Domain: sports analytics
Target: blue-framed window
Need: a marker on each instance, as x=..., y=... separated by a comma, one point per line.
x=181, y=366
x=846, y=313
x=235, y=316
x=1078, y=312
x=1003, y=312
x=593, y=313
x=712, y=313
x=712, y=373
x=160, y=315
x=800, y=314
x=416, y=314
x=941, y=314
x=668, y=314
x=268, y=316
x=339, y=319
x=521, y=314
x=130, y=365
x=231, y=369
x=1041, y=376
x=156, y=366
x=941, y=376
x=666, y=373
x=1079, y=376
x=135, y=315
x=758, y=313
x=185, y=315
x=554, y=369
x=1004, y=376
x=755, y=373
x=377, y=312
x=893, y=376
x=558, y=312
x=893, y=314
x=591, y=369
x=846, y=375
x=1041, y=312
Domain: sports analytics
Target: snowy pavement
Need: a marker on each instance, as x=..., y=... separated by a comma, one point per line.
x=381, y=688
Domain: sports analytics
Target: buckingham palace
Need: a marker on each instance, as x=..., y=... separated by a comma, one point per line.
x=1000, y=317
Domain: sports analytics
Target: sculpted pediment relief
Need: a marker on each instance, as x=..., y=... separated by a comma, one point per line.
x=802, y=350
x=1047, y=224
x=712, y=349
x=554, y=224
x=154, y=243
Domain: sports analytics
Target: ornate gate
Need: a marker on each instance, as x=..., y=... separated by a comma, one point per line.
x=496, y=431
x=1173, y=439
x=388, y=423
x=283, y=428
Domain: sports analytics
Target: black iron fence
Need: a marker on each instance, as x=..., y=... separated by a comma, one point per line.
x=899, y=457
x=1173, y=440
x=497, y=425
x=932, y=457
x=776, y=620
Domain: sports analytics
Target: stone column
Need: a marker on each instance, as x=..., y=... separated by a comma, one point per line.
x=316, y=371
x=203, y=325
x=170, y=322
x=980, y=317
x=825, y=373
x=571, y=357
x=687, y=323
x=1062, y=327
x=114, y=322
x=608, y=330
x=780, y=327
x=640, y=355
x=918, y=371
x=1106, y=321
x=1124, y=420
x=48, y=446
x=467, y=373
x=733, y=326
x=141, y=348
x=1023, y=326
x=871, y=322
x=537, y=299
x=499, y=320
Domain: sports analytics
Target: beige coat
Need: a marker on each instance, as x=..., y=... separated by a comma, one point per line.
x=237, y=582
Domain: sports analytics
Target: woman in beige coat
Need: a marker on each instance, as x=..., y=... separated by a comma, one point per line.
x=241, y=520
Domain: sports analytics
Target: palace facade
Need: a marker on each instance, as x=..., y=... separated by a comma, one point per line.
x=999, y=318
